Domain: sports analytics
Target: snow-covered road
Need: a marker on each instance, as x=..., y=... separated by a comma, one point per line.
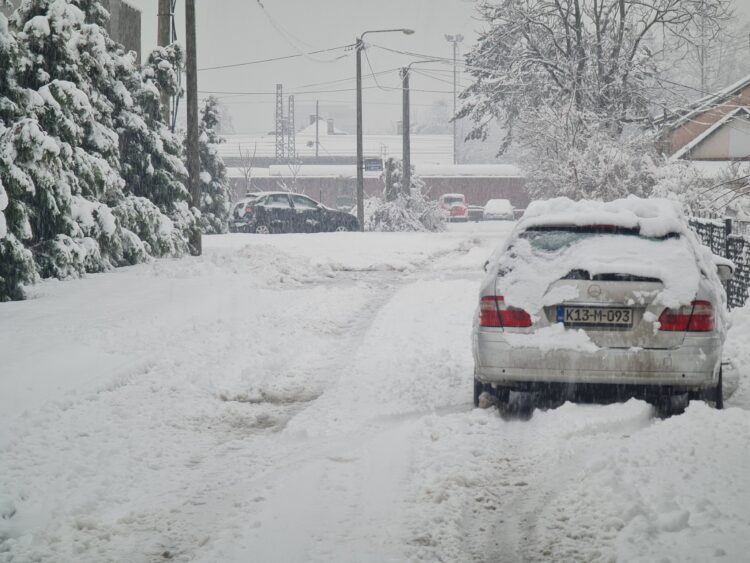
x=308, y=398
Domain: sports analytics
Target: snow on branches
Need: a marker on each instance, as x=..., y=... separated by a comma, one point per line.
x=565, y=76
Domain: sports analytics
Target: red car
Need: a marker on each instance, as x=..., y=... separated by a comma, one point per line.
x=454, y=206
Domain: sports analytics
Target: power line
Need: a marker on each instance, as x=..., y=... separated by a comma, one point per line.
x=273, y=59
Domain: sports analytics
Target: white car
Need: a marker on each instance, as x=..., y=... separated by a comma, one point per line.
x=601, y=302
x=498, y=209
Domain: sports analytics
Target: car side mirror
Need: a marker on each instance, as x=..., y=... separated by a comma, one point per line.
x=486, y=265
x=725, y=272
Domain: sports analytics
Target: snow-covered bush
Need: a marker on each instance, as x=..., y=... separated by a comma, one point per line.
x=725, y=193
x=399, y=211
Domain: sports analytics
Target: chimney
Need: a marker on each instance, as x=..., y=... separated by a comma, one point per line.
x=329, y=121
x=312, y=119
x=399, y=128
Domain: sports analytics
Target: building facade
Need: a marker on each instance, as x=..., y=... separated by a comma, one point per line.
x=714, y=128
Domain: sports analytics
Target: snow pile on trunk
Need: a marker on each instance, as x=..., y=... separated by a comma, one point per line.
x=527, y=273
x=654, y=217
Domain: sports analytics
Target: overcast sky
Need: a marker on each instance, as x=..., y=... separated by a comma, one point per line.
x=232, y=31
x=235, y=31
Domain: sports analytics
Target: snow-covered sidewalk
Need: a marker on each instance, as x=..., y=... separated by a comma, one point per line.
x=308, y=398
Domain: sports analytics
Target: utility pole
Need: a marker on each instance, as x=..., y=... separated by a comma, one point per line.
x=164, y=38
x=455, y=39
x=406, y=139
x=359, y=46
x=317, y=124
x=360, y=157
x=193, y=156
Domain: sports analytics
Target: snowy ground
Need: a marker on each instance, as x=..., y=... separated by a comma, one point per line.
x=308, y=398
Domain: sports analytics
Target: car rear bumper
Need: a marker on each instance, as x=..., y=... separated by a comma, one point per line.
x=694, y=365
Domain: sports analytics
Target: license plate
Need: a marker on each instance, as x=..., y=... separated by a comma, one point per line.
x=610, y=317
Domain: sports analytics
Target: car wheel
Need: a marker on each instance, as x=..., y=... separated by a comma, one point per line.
x=341, y=229
x=484, y=398
x=719, y=397
x=262, y=230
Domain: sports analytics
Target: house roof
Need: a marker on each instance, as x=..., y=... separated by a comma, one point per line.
x=710, y=131
x=687, y=113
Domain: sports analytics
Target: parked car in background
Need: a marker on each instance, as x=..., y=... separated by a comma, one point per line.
x=241, y=213
x=283, y=212
x=476, y=212
x=454, y=206
x=498, y=209
x=602, y=302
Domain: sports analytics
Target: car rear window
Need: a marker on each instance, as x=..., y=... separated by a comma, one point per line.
x=450, y=200
x=551, y=238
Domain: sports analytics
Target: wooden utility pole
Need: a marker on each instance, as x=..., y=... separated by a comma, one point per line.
x=163, y=39
x=360, y=157
x=193, y=156
x=406, y=139
x=317, y=133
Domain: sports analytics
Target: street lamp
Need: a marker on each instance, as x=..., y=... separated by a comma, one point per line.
x=455, y=39
x=359, y=46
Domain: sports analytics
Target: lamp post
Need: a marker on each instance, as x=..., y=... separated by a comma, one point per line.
x=359, y=46
x=455, y=39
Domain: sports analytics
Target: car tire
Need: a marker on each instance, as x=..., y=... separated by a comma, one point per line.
x=719, y=393
x=262, y=230
x=341, y=229
x=478, y=390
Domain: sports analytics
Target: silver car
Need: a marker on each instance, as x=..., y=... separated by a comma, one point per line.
x=600, y=302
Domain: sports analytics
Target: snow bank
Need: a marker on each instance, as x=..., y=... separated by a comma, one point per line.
x=673, y=490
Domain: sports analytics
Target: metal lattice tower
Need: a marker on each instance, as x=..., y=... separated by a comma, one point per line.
x=279, y=124
x=291, y=148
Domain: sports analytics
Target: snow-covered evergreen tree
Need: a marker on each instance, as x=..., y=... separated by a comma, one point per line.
x=216, y=196
x=90, y=177
x=16, y=263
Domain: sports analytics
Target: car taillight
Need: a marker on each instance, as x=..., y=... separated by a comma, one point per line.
x=249, y=209
x=494, y=312
x=696, y=317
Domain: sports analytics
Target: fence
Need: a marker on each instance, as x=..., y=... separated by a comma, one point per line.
x=730, y=239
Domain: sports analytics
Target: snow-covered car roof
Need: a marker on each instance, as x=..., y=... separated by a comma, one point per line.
x=452, y=195
x=652, y=217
